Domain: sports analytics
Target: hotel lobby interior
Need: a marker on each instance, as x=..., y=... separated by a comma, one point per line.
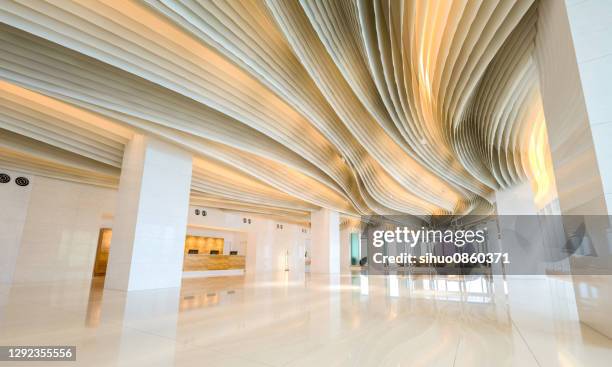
x=212, y=182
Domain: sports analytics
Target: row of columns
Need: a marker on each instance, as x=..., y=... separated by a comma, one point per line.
x=151, y=220
x=573, y=55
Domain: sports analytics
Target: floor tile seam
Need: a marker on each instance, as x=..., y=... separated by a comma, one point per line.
x=518, y=330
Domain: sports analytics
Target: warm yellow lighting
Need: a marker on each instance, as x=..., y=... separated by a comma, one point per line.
x=203, y=244
x=540, y=162
x=70, y=114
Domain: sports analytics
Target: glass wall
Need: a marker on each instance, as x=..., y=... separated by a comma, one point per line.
x=355, y=249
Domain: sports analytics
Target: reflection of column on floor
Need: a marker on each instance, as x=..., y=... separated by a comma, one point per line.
x=151, y=217
x=148, y=318
x=327, y=323
x=364, y=284
x=393, y=288
x=94, y=303
x=541, y=306
x=500, y=299
x=335, y=306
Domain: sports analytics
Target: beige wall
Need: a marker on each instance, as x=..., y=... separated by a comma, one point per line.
x=14, y=202
x=49, y=231
x=61, y=229
x=265, y=245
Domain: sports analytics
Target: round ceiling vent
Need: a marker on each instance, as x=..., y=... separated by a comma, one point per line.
x=22, y=181
x=4, y=178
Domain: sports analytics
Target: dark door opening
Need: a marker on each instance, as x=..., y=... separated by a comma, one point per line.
x=104, y=240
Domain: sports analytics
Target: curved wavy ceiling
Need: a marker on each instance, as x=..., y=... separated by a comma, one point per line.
x=363, y=106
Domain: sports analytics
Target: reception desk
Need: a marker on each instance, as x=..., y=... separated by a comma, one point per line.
x=211, y=265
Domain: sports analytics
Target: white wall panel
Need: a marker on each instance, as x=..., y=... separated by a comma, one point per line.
x=60, y=234
x=14, y=201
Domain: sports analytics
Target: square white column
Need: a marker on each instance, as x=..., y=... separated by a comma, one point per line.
x=345, y=250
x=325, y=245
x=573, y=56
x=151, y=217
x=589, y=23
x=517, y=200
x=575, y=84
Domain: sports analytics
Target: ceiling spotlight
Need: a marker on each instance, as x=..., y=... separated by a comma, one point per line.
x=22, y=181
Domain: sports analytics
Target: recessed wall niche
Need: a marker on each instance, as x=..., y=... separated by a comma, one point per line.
x=203, y=245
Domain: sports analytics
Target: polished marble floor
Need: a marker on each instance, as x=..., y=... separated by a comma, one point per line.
x=287, y=320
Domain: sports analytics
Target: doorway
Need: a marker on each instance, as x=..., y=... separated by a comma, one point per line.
x=104, y=241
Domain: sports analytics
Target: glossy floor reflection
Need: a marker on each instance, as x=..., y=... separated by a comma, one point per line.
x=285, y=320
